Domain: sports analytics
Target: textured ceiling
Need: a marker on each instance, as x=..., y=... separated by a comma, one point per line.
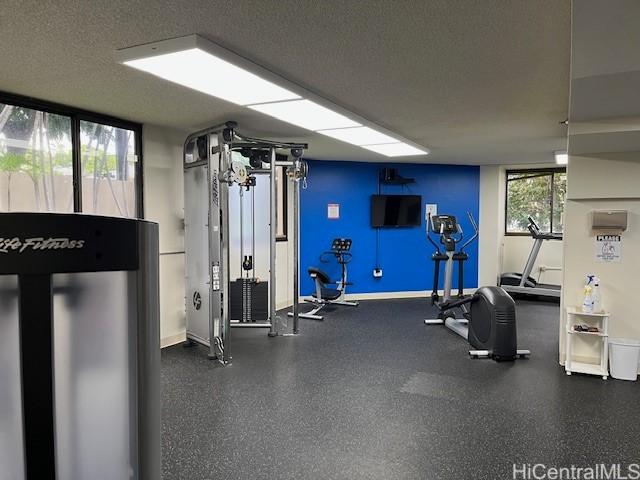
x=475, y=81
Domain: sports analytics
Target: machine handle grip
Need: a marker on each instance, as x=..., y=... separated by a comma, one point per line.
x=342, y=257
x=435, y=245
x=474, y=225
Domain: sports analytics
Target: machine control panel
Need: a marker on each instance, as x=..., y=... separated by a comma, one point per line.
x=444, y=224
x=341, y=244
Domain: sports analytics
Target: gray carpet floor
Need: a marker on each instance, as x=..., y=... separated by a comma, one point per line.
x=373, y=393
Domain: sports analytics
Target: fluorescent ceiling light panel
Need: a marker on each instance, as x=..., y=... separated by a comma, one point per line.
x=197, y=63
x=396, y=149
x=359, y=136
x=202, y=71
x=306, y=114
x=562, y=158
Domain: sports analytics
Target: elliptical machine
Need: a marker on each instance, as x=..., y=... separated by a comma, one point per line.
x=488, y=317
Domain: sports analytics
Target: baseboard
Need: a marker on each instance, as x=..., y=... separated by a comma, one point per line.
x=392, y=295
x=173, y=339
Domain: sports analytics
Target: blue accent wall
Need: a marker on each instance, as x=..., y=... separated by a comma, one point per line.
x=404, y=253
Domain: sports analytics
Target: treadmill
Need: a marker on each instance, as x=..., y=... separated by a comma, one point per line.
x=522, y=282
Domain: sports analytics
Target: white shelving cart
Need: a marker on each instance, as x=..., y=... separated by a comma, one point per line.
x=576, y=316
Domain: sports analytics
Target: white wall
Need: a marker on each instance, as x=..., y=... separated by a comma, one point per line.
x=284, y=259
x=588, y=177
x=163, y=203
x=490, y=224
x=500, y=253
x=603, y=118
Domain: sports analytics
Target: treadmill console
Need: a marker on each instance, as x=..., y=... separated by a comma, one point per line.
x=444, y=224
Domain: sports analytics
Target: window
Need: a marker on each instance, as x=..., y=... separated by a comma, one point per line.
x=539, y=193
x=58, y=159
x=36, y=163
x=108, y=163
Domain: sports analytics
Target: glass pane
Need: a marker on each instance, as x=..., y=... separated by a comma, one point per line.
x=36, y=167
x=108, y=170
x=528, y=194
x=95, y=423
x=559, y=196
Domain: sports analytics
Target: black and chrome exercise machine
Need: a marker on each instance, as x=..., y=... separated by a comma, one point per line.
x=523, y=282
x=488, y=317
x=79, y=347
x=323, y=294
x=230, y=280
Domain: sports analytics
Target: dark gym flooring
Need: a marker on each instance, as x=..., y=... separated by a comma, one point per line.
x=373, y=393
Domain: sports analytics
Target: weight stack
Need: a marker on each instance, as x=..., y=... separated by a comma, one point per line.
x=249, y=300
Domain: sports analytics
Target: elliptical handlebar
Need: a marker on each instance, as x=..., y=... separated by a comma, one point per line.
x=435, y=245
x=474, y=225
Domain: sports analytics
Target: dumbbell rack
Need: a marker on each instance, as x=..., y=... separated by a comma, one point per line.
x=601, y=320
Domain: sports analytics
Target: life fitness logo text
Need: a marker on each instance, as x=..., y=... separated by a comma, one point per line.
x=19, y=245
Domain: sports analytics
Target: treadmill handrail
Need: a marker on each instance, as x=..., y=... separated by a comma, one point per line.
x=534, y=229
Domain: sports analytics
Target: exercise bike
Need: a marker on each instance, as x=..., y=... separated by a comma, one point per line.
x=323, y=294
x=488, y=317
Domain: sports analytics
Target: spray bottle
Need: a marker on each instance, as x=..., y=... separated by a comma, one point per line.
x=587, y=303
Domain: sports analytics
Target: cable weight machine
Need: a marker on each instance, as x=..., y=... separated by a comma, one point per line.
x=218, y=160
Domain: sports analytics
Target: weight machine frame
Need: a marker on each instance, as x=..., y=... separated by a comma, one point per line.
x=209, y=172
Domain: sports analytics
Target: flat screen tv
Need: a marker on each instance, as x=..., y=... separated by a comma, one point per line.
x=396, y=210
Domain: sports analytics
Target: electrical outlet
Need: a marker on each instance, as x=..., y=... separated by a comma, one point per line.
x=377, y=272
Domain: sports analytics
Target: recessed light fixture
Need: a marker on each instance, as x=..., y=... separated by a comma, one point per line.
x=562, y=157
x=396, y=149
x=189, y=63
x=359, y=136
x=306, y=114
x=201, y=65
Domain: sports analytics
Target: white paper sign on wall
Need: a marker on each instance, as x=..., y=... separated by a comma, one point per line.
x=608, y=248
x=333, y=211
x=430, y=209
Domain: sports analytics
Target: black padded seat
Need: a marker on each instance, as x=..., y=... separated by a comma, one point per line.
x=328, y=294
x=321, y=274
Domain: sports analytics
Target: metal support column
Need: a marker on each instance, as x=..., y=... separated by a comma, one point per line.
x=36, y=349
x=296, y=251
x=273, y=217
x=225, y=326
x=448, y=274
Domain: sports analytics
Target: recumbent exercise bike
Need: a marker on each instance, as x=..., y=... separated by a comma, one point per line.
x=488, y=317
x=323, y=294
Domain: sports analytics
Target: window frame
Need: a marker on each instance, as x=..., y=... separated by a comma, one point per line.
x=552, y=171
x=76, y=115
